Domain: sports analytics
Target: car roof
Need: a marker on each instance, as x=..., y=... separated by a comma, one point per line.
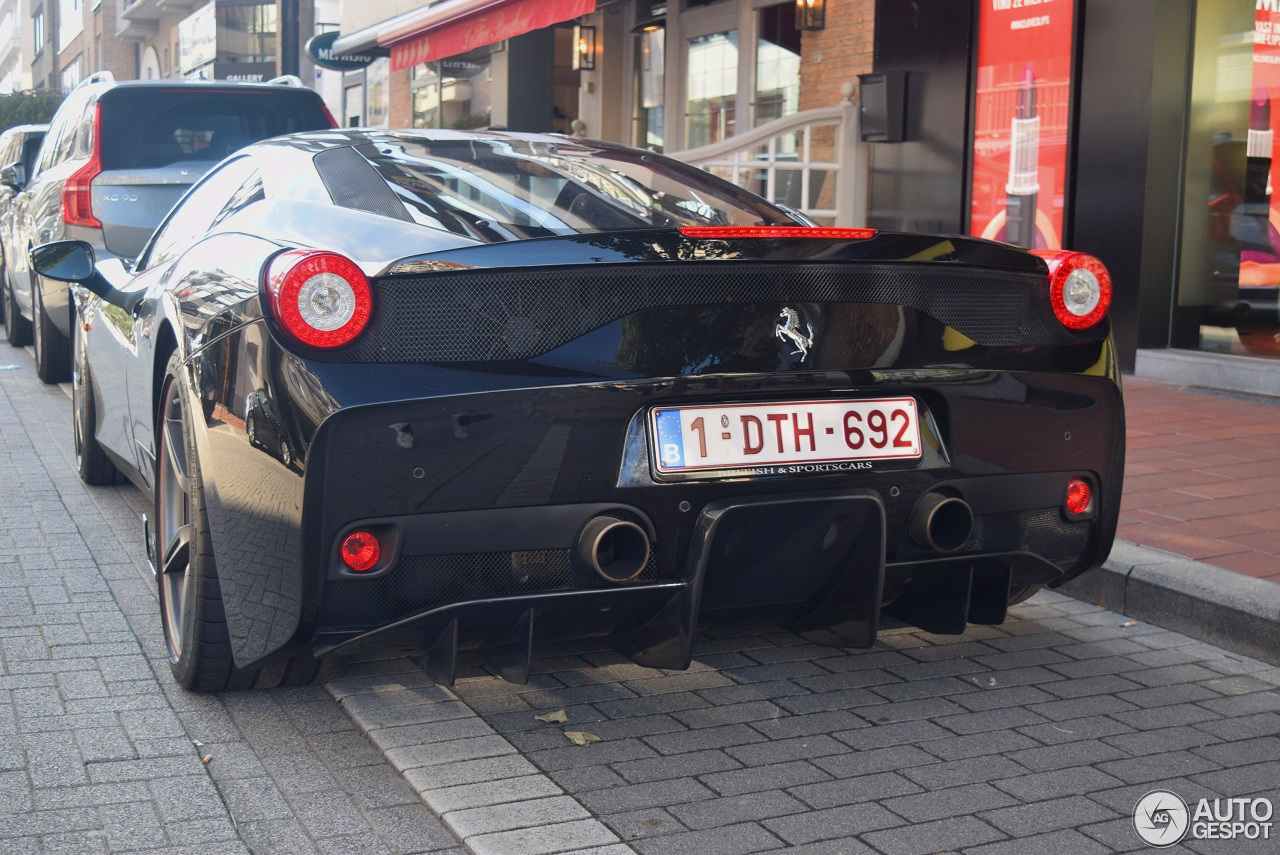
x=27, y=129
x=316, y=141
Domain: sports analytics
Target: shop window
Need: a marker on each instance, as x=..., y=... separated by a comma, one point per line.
x=453, y=93
x=711, y=88
x=1229, y=270
x=650, y=81
x=777, y=72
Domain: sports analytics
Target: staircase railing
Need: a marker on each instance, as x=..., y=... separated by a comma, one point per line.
x=812, y=161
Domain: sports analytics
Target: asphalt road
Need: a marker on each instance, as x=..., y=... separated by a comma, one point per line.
x=1037, y=736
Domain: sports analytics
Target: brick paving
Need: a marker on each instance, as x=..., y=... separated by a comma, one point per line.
x=1035, y=736
x=1201, y=477
x=99, y=750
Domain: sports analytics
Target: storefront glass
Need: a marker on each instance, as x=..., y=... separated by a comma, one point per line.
x=1229, y=272
x=453, y=93
x=712, y=88
x=650, y=82
x=777, y=64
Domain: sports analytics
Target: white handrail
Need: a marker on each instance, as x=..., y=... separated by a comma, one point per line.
x=757, y=135
x=848, y=170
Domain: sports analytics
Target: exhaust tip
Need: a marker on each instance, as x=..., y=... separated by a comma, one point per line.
x=941, y=523
x=616, y=549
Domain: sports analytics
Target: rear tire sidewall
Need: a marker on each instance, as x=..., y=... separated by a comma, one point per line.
x=191, y=669
x=17, y=329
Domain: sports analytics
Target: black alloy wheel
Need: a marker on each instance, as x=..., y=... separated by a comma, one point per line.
x=53, y=351
x=191, y=610
x=91, y=461
x=286, y=456
x=251, y=428
x=17, y=329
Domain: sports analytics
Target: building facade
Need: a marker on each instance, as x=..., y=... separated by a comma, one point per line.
x=622, y=70
x=1155, y=139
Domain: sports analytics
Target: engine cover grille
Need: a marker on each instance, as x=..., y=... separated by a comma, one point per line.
x=517, y=314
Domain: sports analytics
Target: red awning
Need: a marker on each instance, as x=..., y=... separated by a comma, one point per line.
x=505, y=21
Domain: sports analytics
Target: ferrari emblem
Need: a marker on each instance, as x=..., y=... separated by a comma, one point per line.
x=790, y=328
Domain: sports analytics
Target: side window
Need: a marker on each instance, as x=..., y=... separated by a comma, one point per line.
x=197, y=211
x=83, y=145
x=251, y=191
x=50, y=144
x=8, y=144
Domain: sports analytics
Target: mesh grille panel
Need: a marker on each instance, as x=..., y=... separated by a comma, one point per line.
x=422, y=582
x=517, y=314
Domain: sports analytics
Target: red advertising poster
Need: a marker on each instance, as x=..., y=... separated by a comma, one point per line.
x=1254, y=222
x=1020, y=121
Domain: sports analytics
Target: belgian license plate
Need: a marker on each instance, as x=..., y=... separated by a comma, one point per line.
x=788, y=436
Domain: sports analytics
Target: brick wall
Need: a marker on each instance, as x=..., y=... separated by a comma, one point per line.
x=837, y=54
x=118, y=56
x=401, y=113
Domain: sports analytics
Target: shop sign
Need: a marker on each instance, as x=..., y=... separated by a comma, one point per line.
x=244, y=72
x=320, y=49
x=1022, y=114
x=505, y=22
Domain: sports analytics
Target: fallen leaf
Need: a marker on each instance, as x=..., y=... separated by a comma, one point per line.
x=557, y=717
x=579, y=738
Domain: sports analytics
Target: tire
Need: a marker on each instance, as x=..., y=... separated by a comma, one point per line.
x=91, y=461
x=251, y=428
x=53, y=351
x=17, y=329
x=286, y=456
x=192, y=616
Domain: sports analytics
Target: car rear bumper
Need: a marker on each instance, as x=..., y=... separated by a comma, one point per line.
x=482, y=501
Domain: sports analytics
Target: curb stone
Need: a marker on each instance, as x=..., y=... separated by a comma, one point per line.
x=483, y=789
x=1225, y=608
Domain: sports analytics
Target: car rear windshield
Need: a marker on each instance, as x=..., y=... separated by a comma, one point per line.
x=507, y=188
x=148, y=127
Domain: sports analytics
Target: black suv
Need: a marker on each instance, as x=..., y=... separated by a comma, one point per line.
x=116, y=159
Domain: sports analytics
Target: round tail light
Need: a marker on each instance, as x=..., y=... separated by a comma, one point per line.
x=321, y=299
x=1079, y=497
x=360, y=551
x=1079, y=288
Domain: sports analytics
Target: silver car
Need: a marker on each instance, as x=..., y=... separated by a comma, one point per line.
x=116, y=158
x=19, y=147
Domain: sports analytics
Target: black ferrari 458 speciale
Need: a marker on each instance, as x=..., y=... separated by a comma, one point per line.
x=443, y=391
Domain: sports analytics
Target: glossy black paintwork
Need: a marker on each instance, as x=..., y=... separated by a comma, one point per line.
x=370, y=440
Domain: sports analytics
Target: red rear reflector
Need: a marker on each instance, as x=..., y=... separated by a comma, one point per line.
x=360, y=551
x=1079, y=288
x=731, y=232
x=1079, y=496
x=321, y=299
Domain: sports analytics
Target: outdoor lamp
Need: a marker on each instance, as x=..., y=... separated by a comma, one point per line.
x=811, y=14
x=584, y=54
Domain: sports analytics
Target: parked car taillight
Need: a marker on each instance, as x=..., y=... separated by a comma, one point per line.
x=321, y=299
x=1079, y=288
x=77, y=199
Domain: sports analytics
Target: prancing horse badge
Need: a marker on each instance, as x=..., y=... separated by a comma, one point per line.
x=790, y=328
